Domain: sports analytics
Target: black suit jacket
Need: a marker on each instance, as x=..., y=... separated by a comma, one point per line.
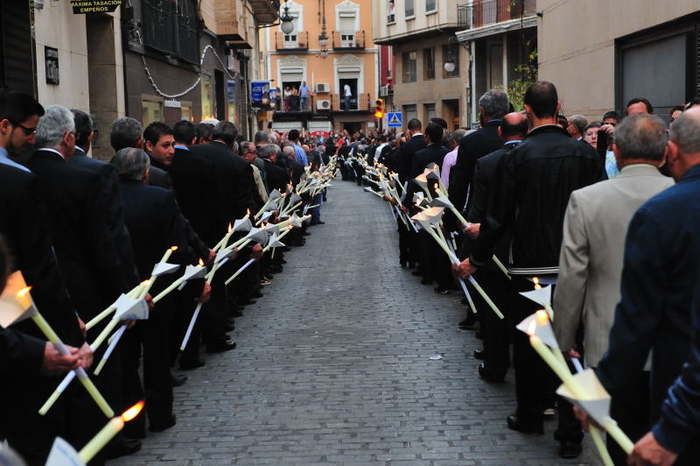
x=277, y=177
x=19, y=353
x=406, y=153
x=472, y=147
x=193, y=182
x=87, y=256
x=484, y=171
x=153, y=218
x=421, y=159
x=234, y=184
x=157, y=176
x=109, y=184
x=24, y=224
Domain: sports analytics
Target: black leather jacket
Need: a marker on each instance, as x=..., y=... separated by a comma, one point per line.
x=531, y=190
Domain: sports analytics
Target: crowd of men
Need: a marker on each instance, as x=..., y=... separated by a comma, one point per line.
x=606, y=212
x=83, y=232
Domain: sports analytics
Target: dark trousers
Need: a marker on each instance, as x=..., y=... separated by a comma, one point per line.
x=150, y=338
x=631, y=411
x=535, y=383
x=496, y=331
x=407, y=253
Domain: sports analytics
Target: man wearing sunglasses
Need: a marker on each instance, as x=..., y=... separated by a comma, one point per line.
x=19, y=115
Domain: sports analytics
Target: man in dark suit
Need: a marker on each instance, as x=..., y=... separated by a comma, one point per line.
x=531, y=189
x=415, y=143
x=496, y=333
x=153, y=218
x=87, y=254
x=408, y=239
x=234, y=187
x=492, y=106
x=193, y=178
x=434, y=264
x=109, y=189
x=277, y=177
x=24, y=225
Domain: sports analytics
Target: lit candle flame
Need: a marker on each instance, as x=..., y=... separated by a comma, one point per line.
x=247, y=212
x=230, y=227
x=24, y=291
x=174, y=248
x=132, y=412
x=536, y=281
x=542, y=317
x=201, y=262
x=436, y=187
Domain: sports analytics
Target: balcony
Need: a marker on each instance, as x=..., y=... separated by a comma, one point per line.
x=343, y=40
x=485, y=12
x=360, y=103
x=265, y=11
x=291, y=42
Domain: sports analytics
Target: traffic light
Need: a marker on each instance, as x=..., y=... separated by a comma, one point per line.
x=379, y=109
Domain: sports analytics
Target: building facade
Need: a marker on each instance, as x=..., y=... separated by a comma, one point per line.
x=502, y=38
x=625, y=49
x=420, y=36
x=347, y=60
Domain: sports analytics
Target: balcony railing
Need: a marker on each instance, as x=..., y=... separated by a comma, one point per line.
x=360, y=103
x=293, y=41
x=485, y=12
x=348, y=40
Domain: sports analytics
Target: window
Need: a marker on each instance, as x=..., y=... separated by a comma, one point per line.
x=429, y=63
x=409, y=67
x=391, y=17
x=171, y=28
x=450, y=53
x=410, y=112
x=429, y=110
x=408, y=4
x=430, y=6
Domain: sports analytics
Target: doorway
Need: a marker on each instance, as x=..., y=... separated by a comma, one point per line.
x=291, y=102
x=352, y=82
x=352, y=127
x=450, y=112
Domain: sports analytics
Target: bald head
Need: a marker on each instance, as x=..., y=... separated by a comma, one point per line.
x=513, y=127
x=684, y=148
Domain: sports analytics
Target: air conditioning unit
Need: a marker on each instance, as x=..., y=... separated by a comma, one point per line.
x=323, y=88
x=323, y=105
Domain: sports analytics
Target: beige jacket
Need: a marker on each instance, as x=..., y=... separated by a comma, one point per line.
x=590, y=261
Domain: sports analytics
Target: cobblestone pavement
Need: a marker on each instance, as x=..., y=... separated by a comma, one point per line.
x=337, y=365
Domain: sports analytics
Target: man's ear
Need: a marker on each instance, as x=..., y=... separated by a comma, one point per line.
x=148, y=145
x=672, y=152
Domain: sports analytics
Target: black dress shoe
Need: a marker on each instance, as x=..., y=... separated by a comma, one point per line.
x=479, y=354
x=247, y=302
x=122, y=447
x=491, y=375
x=417, y=273
x=469, y=322
x=193, y=363
x=161, y=426
x=526, y=428
x=178, y=380
x=219, y=346
x=569, y=450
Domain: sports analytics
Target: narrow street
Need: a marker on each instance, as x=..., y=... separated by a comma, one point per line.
x=347, y=359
